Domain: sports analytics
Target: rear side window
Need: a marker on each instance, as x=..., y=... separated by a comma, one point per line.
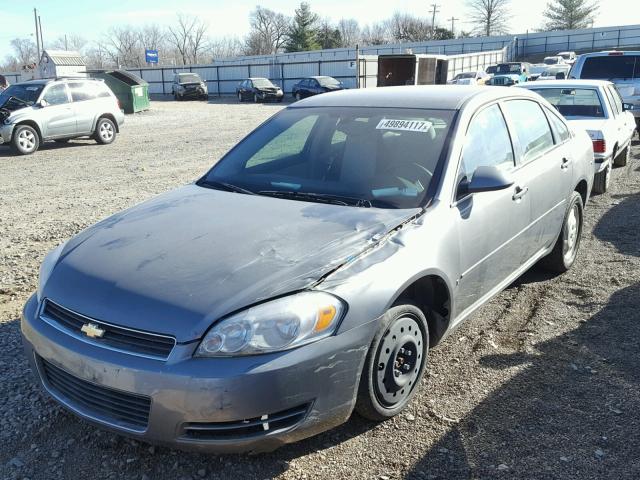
x=56, y=94
x=531, y=128
x=81, y=91
x=611, y=67
x=487, y=143
x=560, y=130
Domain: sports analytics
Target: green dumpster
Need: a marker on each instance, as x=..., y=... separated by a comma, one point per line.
x=131, y=90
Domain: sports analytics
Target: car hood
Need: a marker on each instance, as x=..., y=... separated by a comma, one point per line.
x=514, y=76
x=182, y=260
x=15, y=114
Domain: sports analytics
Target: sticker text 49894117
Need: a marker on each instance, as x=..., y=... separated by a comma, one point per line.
x=405, y=125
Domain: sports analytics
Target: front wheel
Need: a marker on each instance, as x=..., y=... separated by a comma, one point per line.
x=565, y=251
x=25, y=140
x=256, y=99
x=105, y=131
x=298, y=96
x=395, y=363
x=239, y=97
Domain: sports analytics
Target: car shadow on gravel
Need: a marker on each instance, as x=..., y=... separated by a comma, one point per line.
x=79, y=142
x=572, y=410
x=572, y=407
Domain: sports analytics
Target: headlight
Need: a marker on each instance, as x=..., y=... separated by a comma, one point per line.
x=46, y=268
x=281, y=324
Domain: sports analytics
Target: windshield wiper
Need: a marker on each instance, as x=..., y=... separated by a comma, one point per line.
x=318, y=197
x=229, y=187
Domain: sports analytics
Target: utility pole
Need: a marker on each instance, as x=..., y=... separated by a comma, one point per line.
x=434, y=7
x=453, y=23
x=35, y=18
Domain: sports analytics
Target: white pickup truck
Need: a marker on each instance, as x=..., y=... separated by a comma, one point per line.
x=594, y=106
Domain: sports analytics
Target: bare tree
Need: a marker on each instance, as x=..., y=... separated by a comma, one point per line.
x=225, y=47
x=69, y=42
x=268, y=31
x=489, y=17
x=123, y=46
x=349, y=32
x=188, y=37
x=404, y=27
x=97, y=56
x=24, y=51
x=152, y=37
x=375, y=34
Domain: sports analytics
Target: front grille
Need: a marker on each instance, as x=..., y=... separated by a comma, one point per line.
x=120, y=338
x=113, y=406
x=251, y=427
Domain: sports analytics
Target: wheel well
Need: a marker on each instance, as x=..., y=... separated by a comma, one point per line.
x=33, y=124
x=431, y=295
x=110, y=117
x=581, y=188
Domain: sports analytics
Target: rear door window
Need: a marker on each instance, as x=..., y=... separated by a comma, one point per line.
x=531, y=128
x=610, y=67
x=560, y=130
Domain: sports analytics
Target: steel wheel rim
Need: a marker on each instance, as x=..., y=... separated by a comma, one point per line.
x=27, y=140
x=106, y=131
x=607, y=178
x=399, y=361
x=572, y=232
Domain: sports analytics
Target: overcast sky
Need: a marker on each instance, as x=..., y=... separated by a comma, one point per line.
x=90, y=19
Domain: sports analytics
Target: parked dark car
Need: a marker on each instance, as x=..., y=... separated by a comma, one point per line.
x=314, y=85
x=259, y=90
x=189, y=85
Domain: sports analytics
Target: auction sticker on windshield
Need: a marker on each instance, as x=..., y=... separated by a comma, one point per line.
x=405, y=125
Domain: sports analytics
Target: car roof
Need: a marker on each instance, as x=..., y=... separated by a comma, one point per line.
x=606, y=53
x=437, y=97
x=567, y=84
x=45, y=81
x=257, y=78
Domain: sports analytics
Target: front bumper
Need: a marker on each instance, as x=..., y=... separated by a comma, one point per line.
x=6, y=131
x=321, y=377
x=198, y=92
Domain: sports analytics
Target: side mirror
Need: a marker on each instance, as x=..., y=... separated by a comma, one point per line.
x=561, y=76
x=487, y=179
x=43, y=103
x=628, y=106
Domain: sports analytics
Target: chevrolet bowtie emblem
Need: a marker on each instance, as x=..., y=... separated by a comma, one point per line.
x=92, y=330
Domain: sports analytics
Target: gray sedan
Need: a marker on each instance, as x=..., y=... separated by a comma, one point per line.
x=309, y=272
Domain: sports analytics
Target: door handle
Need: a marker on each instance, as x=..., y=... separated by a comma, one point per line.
x=519, y=193
x=565, y=163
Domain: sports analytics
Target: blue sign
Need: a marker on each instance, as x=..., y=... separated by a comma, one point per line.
x=151, y=56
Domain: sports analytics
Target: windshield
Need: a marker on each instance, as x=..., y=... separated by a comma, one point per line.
x=551, y=72
x=551, y=60
x=537, y=68
x=611, y=66
x=380, y=157
x=574, y=102
x=566, y=56
x=190, y=78
x=509, y=68
x=25, y=94
x=328, y=82
x=466, y=75
x=262, y=82
x=492, y=69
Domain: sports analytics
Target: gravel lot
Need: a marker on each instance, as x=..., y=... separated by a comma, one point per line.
x=543, y=382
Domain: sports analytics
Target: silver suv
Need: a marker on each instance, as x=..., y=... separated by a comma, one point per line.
x=57, y=109
x=619, y=67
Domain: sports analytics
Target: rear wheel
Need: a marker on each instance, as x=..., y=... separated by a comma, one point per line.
x=105, y=131
x=601, y=180
x=256, y=99
x=395, y=363
x=565, y=251
x=239, y=97
x=298, y=96
x=25, y=140
x=622, y=158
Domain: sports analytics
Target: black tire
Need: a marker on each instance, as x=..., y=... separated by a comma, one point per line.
x=601, y=180
x=622, y=159
x=240, y=97
x=25, y=140
x=395, y=363
x=256, y=99
x=105, y=132
x=298, y=96
x=564, y=252
x=279, y=99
